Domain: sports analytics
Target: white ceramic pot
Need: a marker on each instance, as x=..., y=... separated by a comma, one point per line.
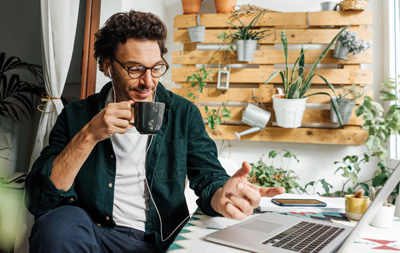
x=288, y=112
x=397, y=211
x=384, y=217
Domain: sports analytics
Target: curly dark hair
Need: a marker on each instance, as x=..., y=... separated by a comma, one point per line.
x=123, y=25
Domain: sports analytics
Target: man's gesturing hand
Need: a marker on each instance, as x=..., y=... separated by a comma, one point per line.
x=238, y=197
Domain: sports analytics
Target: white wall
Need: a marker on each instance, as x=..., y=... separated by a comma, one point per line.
x=316, y=160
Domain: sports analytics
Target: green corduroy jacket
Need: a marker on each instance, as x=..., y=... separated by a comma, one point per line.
x=181, y=148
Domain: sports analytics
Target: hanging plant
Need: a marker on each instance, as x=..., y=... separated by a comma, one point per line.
x=199, y=80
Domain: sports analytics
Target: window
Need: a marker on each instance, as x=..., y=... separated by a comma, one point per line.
x=392, y=62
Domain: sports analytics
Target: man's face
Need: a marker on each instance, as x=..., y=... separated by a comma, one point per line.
x=135, y=52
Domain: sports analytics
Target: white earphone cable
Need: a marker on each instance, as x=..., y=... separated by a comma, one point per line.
x=145, y=178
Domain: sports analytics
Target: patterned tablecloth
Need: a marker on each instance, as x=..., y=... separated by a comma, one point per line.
x=191, y=237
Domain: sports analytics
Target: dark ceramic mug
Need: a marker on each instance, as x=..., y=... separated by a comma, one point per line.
x=148, y=116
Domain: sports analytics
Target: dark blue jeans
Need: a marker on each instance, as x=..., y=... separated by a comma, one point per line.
x=70, y=229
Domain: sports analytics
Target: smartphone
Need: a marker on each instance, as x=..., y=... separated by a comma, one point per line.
x=298, y=202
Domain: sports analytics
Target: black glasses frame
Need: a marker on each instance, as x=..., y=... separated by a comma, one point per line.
x=145, y=68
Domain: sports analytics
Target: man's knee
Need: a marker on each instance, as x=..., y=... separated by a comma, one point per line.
x=66, y=228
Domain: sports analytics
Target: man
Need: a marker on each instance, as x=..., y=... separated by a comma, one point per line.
x=101, y=186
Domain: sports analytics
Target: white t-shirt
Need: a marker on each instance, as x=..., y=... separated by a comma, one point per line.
x=131, y=197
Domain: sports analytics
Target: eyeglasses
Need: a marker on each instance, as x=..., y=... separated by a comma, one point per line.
x=137, y=71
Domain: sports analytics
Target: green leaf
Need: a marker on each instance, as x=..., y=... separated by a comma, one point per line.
x=373, y=143
x=272, y=154
x=326, y=185
x=274, y=73
x=222, y=35
x=211, y=122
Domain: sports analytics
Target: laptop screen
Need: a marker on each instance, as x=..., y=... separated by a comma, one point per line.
x=373, y=208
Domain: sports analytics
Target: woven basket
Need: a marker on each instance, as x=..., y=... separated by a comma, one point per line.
x=353, y=5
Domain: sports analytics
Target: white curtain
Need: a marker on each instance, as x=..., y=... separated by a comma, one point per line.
x=58, y=20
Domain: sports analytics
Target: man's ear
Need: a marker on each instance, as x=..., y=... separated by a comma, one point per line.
x=107, y=67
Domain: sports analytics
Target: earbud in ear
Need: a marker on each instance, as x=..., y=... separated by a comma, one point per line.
x=109, y=72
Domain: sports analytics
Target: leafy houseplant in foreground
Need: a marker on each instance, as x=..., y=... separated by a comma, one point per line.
x=271, y=175
x=380, y=127
x=296, y=84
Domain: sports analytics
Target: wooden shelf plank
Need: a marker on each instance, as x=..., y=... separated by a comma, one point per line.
x=310, y=116
x=335, y=76
x=243, y=95
x=284, y=19
x=294, y=135
x=263, y=56
x=295, y=36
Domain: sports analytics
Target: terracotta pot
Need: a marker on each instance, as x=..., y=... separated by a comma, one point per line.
x=225, y=6
x=191, y=6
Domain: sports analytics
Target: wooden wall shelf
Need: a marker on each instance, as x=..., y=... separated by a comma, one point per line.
x=302, y=28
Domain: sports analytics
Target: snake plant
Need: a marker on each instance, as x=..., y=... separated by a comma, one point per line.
x=297, y=84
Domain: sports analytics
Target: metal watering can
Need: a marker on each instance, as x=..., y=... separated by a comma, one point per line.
x=254, y=116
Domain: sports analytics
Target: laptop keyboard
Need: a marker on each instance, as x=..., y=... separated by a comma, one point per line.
x=305, y=237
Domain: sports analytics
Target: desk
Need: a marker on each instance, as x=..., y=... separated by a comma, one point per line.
x=191, y=237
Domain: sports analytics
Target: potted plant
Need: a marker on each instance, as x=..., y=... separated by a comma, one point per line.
x=345, y=103
x=384, y=217
x=16, y=104
x=380, y=126
x=271, y=175
x=356, y=204
x=191, y=6
x=197, y=33
x=246, y=38
x=289, y=106
x=348, y=43
x=225, y=6
x=16, y=95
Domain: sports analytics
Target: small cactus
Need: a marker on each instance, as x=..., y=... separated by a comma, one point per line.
x=373, y=192
x=359, y=194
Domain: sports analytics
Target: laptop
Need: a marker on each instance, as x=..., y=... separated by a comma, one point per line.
x=271, y=232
